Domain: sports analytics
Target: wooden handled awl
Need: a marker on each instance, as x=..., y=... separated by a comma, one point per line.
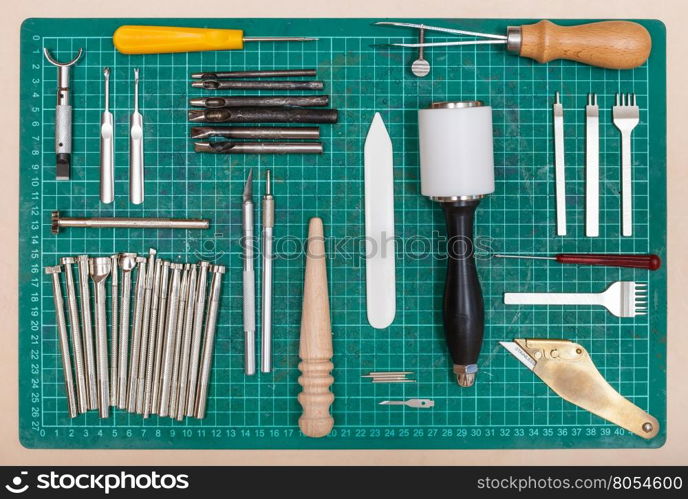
x=606, y=44
x=315, y=349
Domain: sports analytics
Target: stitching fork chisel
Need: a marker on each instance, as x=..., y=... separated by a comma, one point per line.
x=592, y=167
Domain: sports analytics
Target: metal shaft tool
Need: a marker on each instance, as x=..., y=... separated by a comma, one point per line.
x=63, y=339
x=260, y=100
x=114, y=327
x=178, y=339
x=170, y=334
x=186, y=343
x=227, y=147
x=263, y=115
x=87, y=331
x=152, y=339
x=592, y=167
x=647, y=262
x=457, y=170
x=136, y=183
x=166, y=39
x=415, y=403
x=63, y=116
x=606, y=44
x=626, y=115
x=258, y=85
x=59, y=222
x=559, y=172
x=77, y=346
x=249, y=295
x=154, y=405
x=269, y=73
x=145, y=330
x=107, y=154
x=100, y=270
x=209, y=340
x=268, y=210
x=127, y=262
x=196, y=342
x=134, y=354
x=254, y=132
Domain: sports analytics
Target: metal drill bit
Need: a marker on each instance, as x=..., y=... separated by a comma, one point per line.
x=63, y=338
x=114, y=328
x=249, y=279
x=127, y=262
x=99, y=269
x=257, y=114
x=77, y=347
x=197, y=337
x=270, y=73
x=213, y=84
x=107, y=156
x=170, y=333
x=143, y=354
x=136, y=148
x=179, y=336
x=228, y=147
x=136, y=333
x=154, y=395
x=266, y=304
x=186, y=343
x=152, y=340
x=87, y=331
x=210, y=326
x=255, y=132
x=260, y=100
x=58, y=222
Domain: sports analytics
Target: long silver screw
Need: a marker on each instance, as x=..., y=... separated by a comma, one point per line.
x=99, y=271
x=114, y=327
x=63, y=338
x=87, y=331
x=77, y=347
x=143, y=354
x=210, y=325
x=160, y=342
x=183, y=296
x=152, y=339
x=136, y=333
x=197, y=336
x=127, y=262
x=186, y=343
x=170, y=330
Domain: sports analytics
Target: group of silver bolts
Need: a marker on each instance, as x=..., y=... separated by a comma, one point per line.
x=160, y=358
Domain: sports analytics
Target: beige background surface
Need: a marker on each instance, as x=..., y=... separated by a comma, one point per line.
x=672, y=12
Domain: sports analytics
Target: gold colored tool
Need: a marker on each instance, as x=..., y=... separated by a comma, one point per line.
x=606, y=44
x=566, y=367
x=167, y=39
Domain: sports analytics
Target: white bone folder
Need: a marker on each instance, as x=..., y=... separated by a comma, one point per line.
x=381, y=302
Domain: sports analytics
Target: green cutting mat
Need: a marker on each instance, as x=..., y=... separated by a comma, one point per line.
x=508, y=407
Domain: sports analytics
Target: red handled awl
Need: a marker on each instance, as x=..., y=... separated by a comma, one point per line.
x=648, y=262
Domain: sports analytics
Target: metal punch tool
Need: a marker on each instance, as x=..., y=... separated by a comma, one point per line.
x=559, y=171
x=63, y=116
x=136, y=148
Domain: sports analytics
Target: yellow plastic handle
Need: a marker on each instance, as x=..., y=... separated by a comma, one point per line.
x=166, y=39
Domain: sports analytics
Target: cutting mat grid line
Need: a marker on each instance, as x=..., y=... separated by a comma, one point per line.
x=508, y=407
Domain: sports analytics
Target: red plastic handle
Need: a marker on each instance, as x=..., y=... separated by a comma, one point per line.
x=649, y=262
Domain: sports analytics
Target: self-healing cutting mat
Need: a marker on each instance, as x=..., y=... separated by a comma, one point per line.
x=509, y=407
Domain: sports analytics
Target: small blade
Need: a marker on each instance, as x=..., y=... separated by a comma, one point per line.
x=519, y=353
x=248, y=187
x=415, y=403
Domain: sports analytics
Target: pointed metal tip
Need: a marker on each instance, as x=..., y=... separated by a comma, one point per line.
x=197, y=84
x=268, y=182
x=248, y=186
x=384, y=402
x=197, y=76
x=556, y=98
x=106, y=72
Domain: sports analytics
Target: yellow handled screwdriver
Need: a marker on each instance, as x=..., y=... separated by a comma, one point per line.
x=166, y=39
x=606, y=44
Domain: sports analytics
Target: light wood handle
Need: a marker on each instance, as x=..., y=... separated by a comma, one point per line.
x=315, y=349
x=606, y=44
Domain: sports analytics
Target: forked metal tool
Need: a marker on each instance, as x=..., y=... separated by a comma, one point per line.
x=626, y=115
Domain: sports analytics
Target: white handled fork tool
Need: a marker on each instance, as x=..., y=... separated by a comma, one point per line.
x=622, y=298
x=626, y=116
